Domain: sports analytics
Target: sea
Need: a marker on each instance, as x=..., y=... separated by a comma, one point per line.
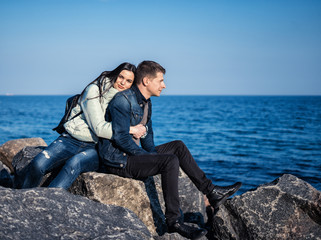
x=251, y=139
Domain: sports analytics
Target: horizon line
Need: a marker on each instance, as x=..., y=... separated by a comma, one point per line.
x=232, y=95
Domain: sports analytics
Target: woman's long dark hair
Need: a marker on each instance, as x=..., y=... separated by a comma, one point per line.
x=112, y=75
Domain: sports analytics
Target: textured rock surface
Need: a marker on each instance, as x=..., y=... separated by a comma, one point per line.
x=191, y=199
x=20, y=162
x=287, y=208
x=111, y=189
x=3, y=166
x=46, y=213
x=5, y=176
x=143, y=198
x=175, y=236
x=9, y=149
x=24, y=157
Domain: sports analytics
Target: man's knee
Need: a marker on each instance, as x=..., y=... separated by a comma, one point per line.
x=179, y=143
x=179, y=147
x=172, y=162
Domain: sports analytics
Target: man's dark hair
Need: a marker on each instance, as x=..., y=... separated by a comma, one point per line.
x=148, y=69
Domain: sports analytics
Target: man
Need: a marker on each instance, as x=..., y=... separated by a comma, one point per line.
x=124, y=157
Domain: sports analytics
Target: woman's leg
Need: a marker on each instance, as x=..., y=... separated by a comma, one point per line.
x=52, y=157
x=85, y=161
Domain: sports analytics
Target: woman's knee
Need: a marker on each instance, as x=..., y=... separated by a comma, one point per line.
x=40, y=163
x=83, y=162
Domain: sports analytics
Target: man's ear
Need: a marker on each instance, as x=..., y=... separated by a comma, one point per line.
x=145, y=81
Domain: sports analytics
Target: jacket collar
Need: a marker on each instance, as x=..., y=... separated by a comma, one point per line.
x=140, y=98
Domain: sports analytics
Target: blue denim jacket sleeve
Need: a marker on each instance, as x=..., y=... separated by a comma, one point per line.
x=120, y=111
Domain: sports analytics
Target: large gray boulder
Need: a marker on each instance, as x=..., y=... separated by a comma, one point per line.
x=21, y=161
x=19, y=165
x=47, y=213
x=287, y=208
x=9, y=149
x=110, y=189
x=24, y=157
x=144, y=198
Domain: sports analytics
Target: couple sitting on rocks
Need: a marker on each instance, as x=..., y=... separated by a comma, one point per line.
x=110, y=130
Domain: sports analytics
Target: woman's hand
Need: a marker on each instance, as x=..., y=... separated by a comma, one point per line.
x=138, y=131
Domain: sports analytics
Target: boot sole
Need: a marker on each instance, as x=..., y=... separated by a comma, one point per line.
x=201, y=235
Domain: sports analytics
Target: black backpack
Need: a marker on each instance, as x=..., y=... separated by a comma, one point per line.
x=70, y=104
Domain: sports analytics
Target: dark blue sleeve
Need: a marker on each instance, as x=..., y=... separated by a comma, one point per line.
x=120, y=113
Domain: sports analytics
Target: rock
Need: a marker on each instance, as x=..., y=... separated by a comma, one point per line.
x=9, y=149
x=48, y=213
x=142, y=197
x=111, y=189
x=20, y=162
x=191, y=199
x=5, y=176
x=287, y=208
x=3, y=166
x=24, y=157
x=175, y=236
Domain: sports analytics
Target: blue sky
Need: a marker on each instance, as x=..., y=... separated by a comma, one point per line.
x=208, y=47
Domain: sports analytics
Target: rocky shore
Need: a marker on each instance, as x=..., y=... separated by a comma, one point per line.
x=104, y=206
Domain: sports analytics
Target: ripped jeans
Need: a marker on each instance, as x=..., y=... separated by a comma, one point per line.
x=74, y=156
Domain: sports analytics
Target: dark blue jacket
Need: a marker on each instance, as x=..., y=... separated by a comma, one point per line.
x=125, y=110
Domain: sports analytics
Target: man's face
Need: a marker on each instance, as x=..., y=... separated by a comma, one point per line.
x=124, y=80
x=156, y=85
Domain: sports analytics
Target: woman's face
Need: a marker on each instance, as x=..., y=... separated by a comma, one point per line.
x=124, y=80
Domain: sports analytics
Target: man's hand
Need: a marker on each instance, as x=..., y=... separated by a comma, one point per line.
x=138, y=131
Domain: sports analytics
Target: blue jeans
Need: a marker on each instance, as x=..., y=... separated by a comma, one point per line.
x=74, y=156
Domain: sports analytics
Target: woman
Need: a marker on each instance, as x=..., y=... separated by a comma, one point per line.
x=74, y=150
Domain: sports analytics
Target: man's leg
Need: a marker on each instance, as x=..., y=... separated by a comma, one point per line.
x=167, y=165
x=142, y=166
x=215, y=194
x=188, y=164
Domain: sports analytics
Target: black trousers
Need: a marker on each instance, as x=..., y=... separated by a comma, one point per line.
x=170, y=157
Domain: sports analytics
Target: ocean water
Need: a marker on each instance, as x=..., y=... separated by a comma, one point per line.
x=252, y=139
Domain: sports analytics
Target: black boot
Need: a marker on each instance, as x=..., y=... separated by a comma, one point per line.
x=187, y=231
x=219, y=194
